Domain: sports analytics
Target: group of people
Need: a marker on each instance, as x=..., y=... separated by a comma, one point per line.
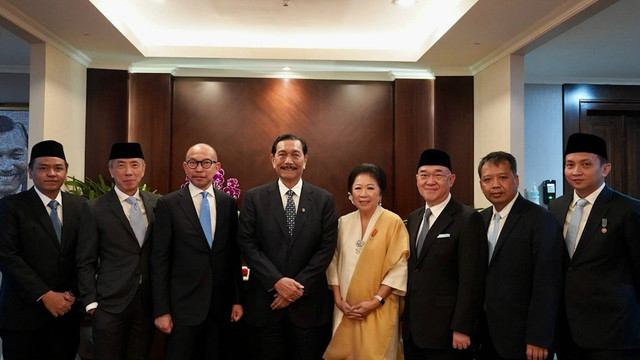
x=514, y=281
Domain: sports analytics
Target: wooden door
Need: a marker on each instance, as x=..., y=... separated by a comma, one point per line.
x=619, y=125
x=613, y=113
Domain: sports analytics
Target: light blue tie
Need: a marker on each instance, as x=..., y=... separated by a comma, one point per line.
x=205, y=218
x=574, y=224
x=55, y=219
x=425, y=230
x=136, y=220
x=494, y=234
x=290, y=212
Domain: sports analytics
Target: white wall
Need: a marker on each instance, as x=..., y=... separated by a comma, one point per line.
x=543, y=135
x=499, y=114
x=57, y=103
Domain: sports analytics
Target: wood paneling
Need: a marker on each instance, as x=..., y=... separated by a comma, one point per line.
x=414, y=124
x=343, y=122
x=454, y=131
x=150, y=125
x=106, y=120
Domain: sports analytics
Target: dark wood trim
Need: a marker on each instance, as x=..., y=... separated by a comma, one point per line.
x=454, y=131
x=150, y=124
x=414, y=132
x=106, y=118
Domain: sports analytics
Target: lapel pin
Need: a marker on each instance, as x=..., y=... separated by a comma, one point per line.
x=304, y=210
x=604, y=226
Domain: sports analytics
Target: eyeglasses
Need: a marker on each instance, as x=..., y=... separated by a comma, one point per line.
x=206, y=163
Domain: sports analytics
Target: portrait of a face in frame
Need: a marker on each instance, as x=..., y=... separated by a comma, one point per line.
x=14, y=123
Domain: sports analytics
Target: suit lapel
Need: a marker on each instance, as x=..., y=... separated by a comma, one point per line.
x=221, y=218
x=594, y=222
x=116, y=208
x=305, y=204
x=275, y=204
x=444, y=219
x=186, y=204
x=509, y=225
x=69, y=218
x=148, y=208
x=413, y=231
x=41, y=214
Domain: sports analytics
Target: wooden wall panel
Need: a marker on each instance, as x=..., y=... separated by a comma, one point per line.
x=344, y=123
x=150, y=124
x=106, y=120
x=453, y=131
x=414, y=123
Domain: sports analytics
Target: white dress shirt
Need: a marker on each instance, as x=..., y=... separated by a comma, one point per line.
x=297, y=188
x=196, y=196
x=586, y=210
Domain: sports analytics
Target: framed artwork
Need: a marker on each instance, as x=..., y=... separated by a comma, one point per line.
x=14, y=148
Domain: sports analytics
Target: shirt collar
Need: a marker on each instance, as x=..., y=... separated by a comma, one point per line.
x=591, y=198
x=195, y=191
x=297, y=188
x=505, y=211
x=46, y=200
x=437, y=209
x=123, y=197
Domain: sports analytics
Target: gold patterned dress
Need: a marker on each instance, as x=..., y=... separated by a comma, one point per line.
x=361, y=263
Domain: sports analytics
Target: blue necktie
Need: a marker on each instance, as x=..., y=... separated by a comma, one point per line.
x=136, y=220
x=290, y=212
x=205, y=218
x=493, y=237
x=425, y=230
x=574, y=224
x=55, y=219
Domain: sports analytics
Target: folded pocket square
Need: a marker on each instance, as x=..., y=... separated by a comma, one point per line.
x=442, y=236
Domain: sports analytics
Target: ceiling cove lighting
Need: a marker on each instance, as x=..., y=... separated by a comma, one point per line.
x=404, y=3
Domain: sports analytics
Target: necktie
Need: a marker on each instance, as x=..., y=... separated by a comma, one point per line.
x=493, y=237
x=290, y=212
x=425, y=230
x=136, y=220
x=205, y=218
x=574, y=223
x=55, y=219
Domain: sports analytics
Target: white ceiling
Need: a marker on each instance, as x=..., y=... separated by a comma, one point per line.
x=563, y=40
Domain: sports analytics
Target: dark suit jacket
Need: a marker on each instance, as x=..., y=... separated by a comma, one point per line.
x=602, y=282
x=32, y=260
x=189, y=280
x=108, y=247
x=524, y=279
x=264, y=241
x=445, y=289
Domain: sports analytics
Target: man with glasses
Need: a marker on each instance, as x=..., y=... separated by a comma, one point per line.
x=448, y=242
x=196, y=271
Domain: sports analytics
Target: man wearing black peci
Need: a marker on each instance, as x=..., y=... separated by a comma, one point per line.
x=39, y=316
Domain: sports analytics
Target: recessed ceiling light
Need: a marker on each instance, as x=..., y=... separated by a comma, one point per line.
x=286, y=68
x=404, y=2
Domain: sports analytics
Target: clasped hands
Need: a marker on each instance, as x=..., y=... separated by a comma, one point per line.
x=358, y=311
x=58, y=303
x=287, y=291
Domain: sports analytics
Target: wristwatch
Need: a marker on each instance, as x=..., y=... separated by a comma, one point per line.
x=380, y=298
